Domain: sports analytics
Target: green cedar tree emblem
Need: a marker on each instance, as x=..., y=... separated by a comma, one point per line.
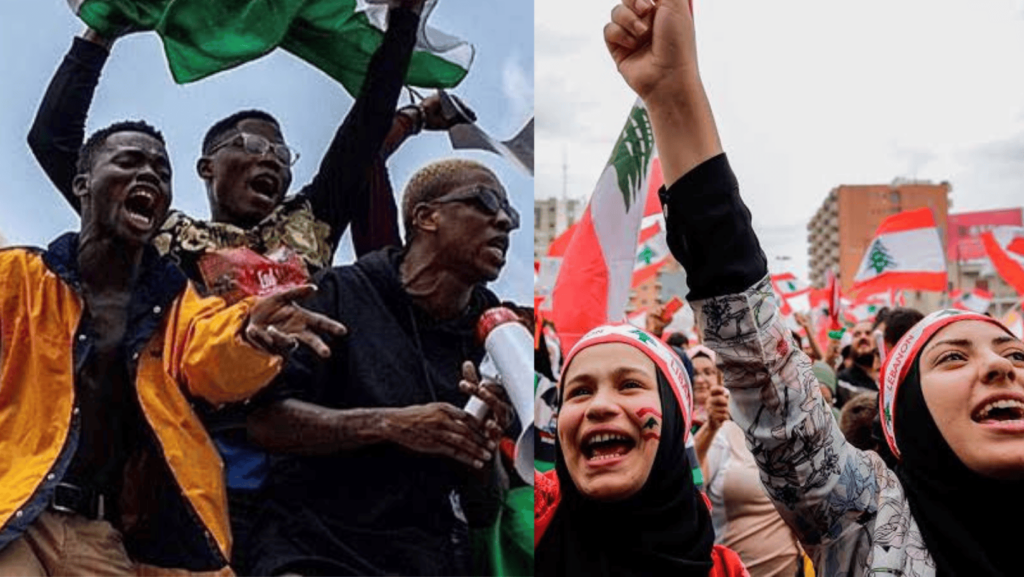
x=642, y=336
x=632, y=154
x=645, y=255
x=651, y=423
x=880, y=257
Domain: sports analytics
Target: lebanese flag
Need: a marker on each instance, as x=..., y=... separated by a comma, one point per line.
x=786, y=285
x=651, y=252
x=595, y=277
x=977, y=300
x=906, y=253
x=1005, y=248
x=866, y=307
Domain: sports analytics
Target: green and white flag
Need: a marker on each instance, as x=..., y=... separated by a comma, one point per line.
x=203, y=37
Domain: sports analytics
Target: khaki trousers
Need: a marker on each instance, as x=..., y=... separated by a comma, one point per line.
x=63, y=544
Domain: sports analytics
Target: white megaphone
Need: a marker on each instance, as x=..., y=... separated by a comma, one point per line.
x=509, y=362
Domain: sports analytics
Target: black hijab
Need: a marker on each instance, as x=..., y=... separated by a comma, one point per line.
x=664, y=529
x=967, y=520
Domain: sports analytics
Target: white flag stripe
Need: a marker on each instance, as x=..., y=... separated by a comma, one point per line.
x=917, y=250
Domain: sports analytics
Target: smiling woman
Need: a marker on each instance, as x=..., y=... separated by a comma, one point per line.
x=621, y=499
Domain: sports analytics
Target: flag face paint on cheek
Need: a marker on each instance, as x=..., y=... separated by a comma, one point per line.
x=651, y=425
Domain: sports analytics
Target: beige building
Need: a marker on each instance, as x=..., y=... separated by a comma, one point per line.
x=551, y=216
x=845, y=224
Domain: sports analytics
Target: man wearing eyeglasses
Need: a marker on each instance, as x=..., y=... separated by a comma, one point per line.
x=384, y=469
x=246, y=169
x=246, y=164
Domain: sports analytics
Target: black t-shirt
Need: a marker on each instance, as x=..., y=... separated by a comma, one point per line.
x=110, y=422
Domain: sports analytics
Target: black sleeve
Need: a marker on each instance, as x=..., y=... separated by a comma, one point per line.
x=710, y=231
x=59, y=127
x=358, y=141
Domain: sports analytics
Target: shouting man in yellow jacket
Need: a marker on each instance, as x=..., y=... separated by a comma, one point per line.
x=105, y=350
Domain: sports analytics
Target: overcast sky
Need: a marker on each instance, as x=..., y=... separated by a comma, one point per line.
x=35, y=35
x=809, y=95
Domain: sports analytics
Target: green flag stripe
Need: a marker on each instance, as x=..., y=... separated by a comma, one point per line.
x=202, y=38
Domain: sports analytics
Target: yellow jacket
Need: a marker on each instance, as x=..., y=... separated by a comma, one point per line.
x=182, y=347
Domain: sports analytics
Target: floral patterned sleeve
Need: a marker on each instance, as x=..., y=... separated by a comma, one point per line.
x=822, y=485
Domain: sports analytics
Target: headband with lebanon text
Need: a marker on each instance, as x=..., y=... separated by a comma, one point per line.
x=663, y=357
x=899, y=360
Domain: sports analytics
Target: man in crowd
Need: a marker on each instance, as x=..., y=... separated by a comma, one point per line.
x=381, y=459
x=246, y=167
x=246, y=164
x=860, y=376
x=897, y=322
x=103, y=347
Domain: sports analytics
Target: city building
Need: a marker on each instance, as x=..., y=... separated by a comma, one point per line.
x=845, y=224
x=551, y=217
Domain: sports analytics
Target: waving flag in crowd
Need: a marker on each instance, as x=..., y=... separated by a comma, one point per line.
x=203, y=37
x=594, y=282
x=867, y=306
x=786, y=287
x=976, y=300
x=651, y=253
x=905, y=253
x=1005, y=247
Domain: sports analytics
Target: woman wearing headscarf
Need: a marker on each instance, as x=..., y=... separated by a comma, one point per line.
x=952, y=396
x=621, y=499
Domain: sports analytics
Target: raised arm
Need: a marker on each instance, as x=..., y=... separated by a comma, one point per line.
x=58, y=130
x=654, y=49
x=357, y=143
x=820, y=484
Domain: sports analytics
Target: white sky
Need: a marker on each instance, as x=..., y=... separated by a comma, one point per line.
x=809, y=95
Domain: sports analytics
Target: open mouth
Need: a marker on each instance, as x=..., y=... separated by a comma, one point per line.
x=603, y=446
x=140, y=205
x=1000, y=411
x=500, y=243
x=266, y=185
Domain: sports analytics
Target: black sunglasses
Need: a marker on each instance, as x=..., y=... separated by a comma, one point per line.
x=258, y=145
x=487, y=198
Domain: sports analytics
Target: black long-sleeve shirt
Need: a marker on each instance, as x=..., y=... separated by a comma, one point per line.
x=310, y=222
x=710, y=232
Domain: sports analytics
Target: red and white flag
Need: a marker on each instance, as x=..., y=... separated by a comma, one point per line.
x=638, y=318
x=906, y=253
x=786, y=287
x=547, y=269
x=866, y=307
x=835, y=301
x=976, y=300
x=595, y=276
x=1005, y=248
x=651, y=252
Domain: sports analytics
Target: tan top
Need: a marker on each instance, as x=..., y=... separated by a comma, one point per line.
x=745, y=519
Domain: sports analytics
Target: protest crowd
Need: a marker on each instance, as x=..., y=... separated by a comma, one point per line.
x=218, y=396
x=767, y=441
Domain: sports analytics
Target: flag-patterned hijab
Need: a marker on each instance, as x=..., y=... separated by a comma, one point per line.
x=665, y=528
x=956, y=509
